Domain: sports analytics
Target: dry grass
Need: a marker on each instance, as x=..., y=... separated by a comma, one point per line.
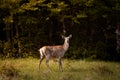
x=27, y=69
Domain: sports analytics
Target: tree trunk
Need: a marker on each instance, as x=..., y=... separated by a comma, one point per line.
x=8, y=32
x=18, y=41
x=118, y=38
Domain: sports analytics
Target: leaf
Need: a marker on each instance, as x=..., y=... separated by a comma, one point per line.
x=81, y=16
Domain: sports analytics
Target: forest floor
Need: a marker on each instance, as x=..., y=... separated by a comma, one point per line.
x=27, y=69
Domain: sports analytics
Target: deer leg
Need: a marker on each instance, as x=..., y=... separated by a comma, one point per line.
x=47, y=62
x=60, y=64
x=41, y=59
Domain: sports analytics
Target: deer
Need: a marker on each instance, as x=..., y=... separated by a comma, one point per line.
x=56, y=51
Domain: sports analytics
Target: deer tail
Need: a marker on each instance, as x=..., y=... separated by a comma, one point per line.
x=41, y=52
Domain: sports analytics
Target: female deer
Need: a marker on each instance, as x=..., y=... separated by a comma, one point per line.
x=57, y=51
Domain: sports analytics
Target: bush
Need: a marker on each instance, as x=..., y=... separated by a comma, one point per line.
x=7, y=49
x=8, y=72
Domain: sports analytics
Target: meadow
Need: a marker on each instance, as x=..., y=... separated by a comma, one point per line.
x=27, y=69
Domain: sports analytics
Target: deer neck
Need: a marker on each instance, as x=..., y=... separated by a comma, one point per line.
x=66, y=45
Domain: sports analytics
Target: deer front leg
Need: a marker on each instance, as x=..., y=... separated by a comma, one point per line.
x=60, y=64
x=47, y=62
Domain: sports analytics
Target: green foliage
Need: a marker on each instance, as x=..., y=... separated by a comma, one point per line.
x=26, y=25
x=7, y=49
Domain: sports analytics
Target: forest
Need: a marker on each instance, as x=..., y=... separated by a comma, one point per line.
x=27, y=25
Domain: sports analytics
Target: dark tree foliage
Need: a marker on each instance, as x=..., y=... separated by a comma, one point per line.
x=27, y=25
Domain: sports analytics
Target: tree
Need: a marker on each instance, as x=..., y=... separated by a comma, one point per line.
x=30, y=24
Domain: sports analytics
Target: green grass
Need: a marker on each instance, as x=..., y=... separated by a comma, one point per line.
x=27, y=69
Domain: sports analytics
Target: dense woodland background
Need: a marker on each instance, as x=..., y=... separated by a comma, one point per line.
x=27, y=25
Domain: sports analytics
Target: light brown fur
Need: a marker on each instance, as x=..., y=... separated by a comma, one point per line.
x=54, y=52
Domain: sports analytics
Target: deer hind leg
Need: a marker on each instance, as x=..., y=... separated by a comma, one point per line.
x=41, y=59
x=60, y=64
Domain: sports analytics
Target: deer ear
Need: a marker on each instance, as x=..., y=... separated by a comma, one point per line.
x=70, y=35
x=63, y=37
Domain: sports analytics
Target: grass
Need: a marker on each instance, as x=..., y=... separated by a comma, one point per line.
x=27, y=69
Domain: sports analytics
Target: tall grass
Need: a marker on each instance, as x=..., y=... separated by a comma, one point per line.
x=27, y=69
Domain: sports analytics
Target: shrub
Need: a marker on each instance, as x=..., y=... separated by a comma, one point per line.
x=8, y=71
